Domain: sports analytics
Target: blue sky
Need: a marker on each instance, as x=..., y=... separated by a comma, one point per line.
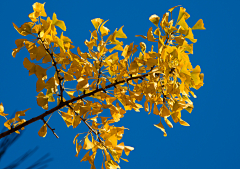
x=211, y=141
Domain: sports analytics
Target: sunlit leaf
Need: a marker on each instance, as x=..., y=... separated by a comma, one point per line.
x=127, y=149
x=76, y=121
x=2, y=110
x=182, y=122
x=154, y=19
x=195, y=74
x=171, y=9
x=87, y=144
x=164, y=111
x=150, y=36
x=160, y=126
x=120, y=33
x=25, y=29
x=199, y=25
x=43, y=131
x=104, y=30
x=58, y=23
x=97, y=22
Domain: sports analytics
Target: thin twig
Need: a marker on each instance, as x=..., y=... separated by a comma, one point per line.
x=88, y=125
x=44, y=121
x=54, y=63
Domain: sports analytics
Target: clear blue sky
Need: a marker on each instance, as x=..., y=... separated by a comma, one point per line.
x=211, y=141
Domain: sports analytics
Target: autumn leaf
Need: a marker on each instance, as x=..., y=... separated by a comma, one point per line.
x=43, y=131
x=120, y=34
x=58, y=23
x=154, y=19
x=87, y=144
x=160, y=126
x=97, y=22
x=25, y=29
x=199, y=25
x=104, y=30
x=150, y=36
x=2, y=111
x=128, y=149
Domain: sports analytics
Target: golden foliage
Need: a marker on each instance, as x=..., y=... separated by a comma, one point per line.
x=162, y=77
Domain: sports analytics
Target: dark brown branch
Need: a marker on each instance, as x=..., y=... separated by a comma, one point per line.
x=63, y=104
x=99, y=72
x=44, y=121
x=88, y=125
x=57, y=70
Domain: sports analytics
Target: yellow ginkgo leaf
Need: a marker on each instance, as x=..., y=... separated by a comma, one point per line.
x=76, y=121
x=164, y=111
x=146, y=107
x=86, y=157
x=82, y=83
x=41, y=72
x=87, y=144
x=1, y=108
x=78, y=149
x=160, y=126
x=154, y=19
x=112, y=140
x=133, y=67
x=67, y=118
x=27, y=64
x=39, y=8
x=117, y=47
x=195, y=75
x=124, y=159
x=190, y=36
x=20, y=113
x=183, y=23
x=42, y=101
x=144, y=37
x=58, y=23
x=150, y=36
x=182, y=122
x=40, y=85
x=97, y=22
x=171, y=9
x=104, y=30
x=199, y=25
x=183, y=14
x=41, y=52
x=43, y=131
x=8, y=123
x=127, y=149
x=120, y=33
x=25, y=29
x=155, y=109
x=168, y=122
x=143, y=47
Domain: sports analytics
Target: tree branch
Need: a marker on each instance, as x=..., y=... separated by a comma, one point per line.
x=63, y=104
x=57, y=70
x=44, y=121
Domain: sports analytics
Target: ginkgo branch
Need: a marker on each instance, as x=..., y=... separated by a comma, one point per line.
x=99, y=71
x=44, y=121
x=88, y=125
x=63, y=104
x=54, y=63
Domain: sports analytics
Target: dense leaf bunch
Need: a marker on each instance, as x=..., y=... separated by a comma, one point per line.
x=81, y=82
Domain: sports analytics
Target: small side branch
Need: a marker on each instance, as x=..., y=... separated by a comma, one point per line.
x=54, y=63
x=88, y=125
x=44, y=121
x=99, y=71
